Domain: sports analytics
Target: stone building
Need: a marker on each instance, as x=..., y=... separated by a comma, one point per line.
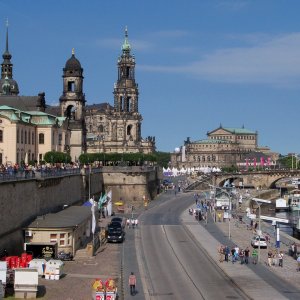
x=224, y=146
x=72, y=126
x=28, y=128
x=117, y=128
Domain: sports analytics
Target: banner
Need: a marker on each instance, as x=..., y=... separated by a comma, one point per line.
x=92, y=201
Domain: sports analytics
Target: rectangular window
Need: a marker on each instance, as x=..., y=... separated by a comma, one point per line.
x=53, y=237
x=1, y=158
x=32, y=140
x=29, y=135
x=71, y=85
x=18, y=136
x=59, y=139
x=1, y=136
x=41, y=138
x=40, y=157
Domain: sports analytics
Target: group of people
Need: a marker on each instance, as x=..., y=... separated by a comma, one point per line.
x=236, y=254
x=275, y=258
x=132, y=223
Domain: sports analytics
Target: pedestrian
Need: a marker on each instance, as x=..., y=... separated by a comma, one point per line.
x=132, y=283
x=270, y=256
x=247, y=251
x=298, y=263
x=232, y=254
x=221, y=253
x=136, y=222
x=242, y=256
x=219, y=217
x=254, y=256
x=227, y=252
x=128, y=223
x=132, y=223
x=280, y=259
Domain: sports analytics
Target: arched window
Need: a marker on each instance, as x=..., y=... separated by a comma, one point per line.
x=100, y=128
x=29, y=135
x=129, y=127
x=41, y=138
x=203, y=158
x=1, y=136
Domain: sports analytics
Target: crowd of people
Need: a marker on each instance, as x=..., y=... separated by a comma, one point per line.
x=236, y=254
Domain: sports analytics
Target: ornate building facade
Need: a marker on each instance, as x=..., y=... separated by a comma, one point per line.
x=117, y=128
x=29, y=128
x=223, y=147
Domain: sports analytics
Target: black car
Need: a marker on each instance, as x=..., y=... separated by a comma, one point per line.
x=64, y=256
x=118, y=220
x=115, y=232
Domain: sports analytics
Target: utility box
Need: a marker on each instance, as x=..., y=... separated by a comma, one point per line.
x=26, y=283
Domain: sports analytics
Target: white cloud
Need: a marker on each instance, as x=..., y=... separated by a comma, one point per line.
x=275, y=62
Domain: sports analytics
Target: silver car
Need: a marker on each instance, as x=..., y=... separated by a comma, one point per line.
x=258, y=240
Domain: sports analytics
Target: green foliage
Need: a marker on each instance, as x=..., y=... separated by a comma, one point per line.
x=163, y=158
x=116, y=158
x=290, y=162
x=57, y=157
x=231, y=169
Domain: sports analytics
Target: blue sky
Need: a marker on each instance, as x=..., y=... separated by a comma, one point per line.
x=200, y=63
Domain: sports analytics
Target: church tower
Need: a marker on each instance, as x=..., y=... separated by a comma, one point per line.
x=7, y=72
x=72, y=105
x=127, y=127
x=126, y=90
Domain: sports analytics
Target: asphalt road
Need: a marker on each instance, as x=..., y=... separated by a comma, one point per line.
x=168, y=263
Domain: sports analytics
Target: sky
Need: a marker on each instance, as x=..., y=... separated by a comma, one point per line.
x=199, y=63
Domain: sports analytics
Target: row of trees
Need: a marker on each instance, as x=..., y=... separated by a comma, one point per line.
x=133, y=159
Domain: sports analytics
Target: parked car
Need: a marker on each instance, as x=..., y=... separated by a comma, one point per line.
x=119, y=220
x=62, y=255
x=115, y=232
x=258, y=240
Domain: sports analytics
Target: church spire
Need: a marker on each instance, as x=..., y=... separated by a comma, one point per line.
x=7, y=70
x=6, y=55
x=126, y=46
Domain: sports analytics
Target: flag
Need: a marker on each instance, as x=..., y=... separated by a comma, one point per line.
x=109, y=203
x=102, y=200
x=93, y=215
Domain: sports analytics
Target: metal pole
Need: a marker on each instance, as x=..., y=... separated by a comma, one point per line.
x=229, y=212
x=259, y=231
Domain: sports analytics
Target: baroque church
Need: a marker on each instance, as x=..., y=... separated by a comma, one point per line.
x=29, y=127
x=117, y=128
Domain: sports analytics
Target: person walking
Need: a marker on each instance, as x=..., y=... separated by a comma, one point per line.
x=227, y=252
x=132, y=283
x=247, y=252
x=242, y=256
x=270, y=256
x=298, y=263
x=254, y=256
x=280, y=259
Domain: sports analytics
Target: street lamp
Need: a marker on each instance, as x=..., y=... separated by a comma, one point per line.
x=259, y=202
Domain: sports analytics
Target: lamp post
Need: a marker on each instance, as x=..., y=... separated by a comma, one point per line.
x=259, y=202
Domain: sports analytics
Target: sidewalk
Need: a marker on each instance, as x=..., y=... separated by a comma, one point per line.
x=255, y=280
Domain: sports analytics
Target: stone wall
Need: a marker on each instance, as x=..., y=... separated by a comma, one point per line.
x=22, y=201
